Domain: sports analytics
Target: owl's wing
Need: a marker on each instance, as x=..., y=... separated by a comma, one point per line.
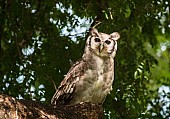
x=67, y=87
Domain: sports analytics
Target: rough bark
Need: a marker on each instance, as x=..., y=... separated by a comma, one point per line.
x=11, y=108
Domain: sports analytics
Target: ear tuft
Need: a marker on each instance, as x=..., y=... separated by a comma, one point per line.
x=93, y=31
x=115, y=35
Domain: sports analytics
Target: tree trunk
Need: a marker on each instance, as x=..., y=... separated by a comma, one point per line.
x=11, y=108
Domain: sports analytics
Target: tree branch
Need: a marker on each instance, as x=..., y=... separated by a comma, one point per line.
x=11, y=108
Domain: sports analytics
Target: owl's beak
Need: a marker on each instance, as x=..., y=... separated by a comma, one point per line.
x=101, y=47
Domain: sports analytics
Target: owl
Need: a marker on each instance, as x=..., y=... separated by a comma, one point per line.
x=90, y=79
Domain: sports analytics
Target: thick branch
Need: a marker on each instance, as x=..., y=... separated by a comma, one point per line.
x=11, y=108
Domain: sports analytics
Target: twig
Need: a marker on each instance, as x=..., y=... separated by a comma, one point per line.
x=98, y=22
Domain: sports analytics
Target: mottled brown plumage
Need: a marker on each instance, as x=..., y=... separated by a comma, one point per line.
x=91, y=78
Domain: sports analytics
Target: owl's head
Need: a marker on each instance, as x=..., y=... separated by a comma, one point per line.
x=102, y=44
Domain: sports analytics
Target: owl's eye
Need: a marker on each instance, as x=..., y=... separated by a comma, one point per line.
x=97, y=39
x=107, y=42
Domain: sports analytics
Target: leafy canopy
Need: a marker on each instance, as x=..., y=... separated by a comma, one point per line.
x=40, y=39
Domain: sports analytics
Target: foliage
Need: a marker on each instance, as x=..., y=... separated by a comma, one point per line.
x=40, y=39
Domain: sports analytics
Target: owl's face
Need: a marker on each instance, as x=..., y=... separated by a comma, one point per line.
x=101, y=44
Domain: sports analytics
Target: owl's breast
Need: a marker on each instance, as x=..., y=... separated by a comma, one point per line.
x=95, y=82
x=94, y=85
x=102, y=85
